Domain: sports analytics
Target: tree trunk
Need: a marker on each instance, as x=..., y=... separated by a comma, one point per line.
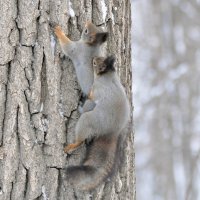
x=39, y=96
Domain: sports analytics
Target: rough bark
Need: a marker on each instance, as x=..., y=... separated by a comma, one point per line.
x=39, y=96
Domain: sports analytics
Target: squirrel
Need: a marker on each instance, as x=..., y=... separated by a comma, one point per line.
x=104, y=119
x=82, y=51
x=88, y=106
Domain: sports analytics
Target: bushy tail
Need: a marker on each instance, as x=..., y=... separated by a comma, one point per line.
x=101, y=157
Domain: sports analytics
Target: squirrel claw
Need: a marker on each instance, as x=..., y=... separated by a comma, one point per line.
x=53, y=24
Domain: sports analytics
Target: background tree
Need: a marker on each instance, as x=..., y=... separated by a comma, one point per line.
x=167, y=37
x=39, y=96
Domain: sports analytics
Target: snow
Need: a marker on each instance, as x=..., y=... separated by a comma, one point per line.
x=179, y=178
x=197, y=57
x=60, y=109
x=164, y=62
x=71, y=11
x=179, y=72
x=156, y=91
x=104, y=10
x=188, y=9
x=194, y=33
x=184, y=91
x=169, y=86
x=179, y=38
x=113, y=19
x=176, y=2
x=53, y=44
x=45, y=123
x=195, y=146
x=41, y=107
x=44, y=193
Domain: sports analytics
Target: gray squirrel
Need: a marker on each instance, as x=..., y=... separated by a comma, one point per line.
x=81, y=52
x=105, y=117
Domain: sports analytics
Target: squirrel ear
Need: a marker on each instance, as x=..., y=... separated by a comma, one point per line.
x=109, y=62
x=101, y=37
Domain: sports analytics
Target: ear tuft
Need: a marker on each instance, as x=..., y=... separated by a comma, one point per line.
x=101, y=37
x=109, y=62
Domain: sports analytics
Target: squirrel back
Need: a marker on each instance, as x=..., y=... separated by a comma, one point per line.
x=112, y=111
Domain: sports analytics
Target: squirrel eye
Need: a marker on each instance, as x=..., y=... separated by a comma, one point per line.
x=94, y=63
x=86, y=31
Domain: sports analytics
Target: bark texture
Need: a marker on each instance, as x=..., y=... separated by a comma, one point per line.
x=39, y=96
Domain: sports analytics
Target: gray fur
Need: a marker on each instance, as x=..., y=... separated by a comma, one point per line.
x=106, y=124
x=111, y=113
x=81, y=53
x=88, y=106
x=97, y=166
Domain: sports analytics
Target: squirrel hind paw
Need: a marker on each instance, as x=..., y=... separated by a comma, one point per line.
x=72, y=147
x=89, y=141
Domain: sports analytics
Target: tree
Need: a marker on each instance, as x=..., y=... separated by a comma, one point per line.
x=167, y=55
x=39, y=96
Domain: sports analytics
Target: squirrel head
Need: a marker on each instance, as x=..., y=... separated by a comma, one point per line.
x=92, y=35
x=102, y=65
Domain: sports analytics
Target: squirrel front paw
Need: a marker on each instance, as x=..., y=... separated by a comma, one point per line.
x=80, y=109
x=58, y=30
x=53, y=24
x=63, y=39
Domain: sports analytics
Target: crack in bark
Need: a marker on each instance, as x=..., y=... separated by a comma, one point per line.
x=17, y=19
x=19, y=146
x=6, y=100
x=43, y=79
x=59, y=181
x=11, y=191
x=78, y=25
x=0, y=190
x=26, y=97
x=39, y=5
x=28, y=81
x=27, y=90
x=4, y=115
x=26, y=182
x=55, y=167
x=29, y=86
x=92, y=6
x=75, y=195
x=17, y=6
x=68, y=119
x=45, y=125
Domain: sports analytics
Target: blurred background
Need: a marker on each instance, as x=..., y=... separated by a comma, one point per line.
x=166, y=85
